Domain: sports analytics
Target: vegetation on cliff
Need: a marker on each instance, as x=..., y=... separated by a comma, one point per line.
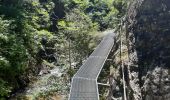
x=34, y=32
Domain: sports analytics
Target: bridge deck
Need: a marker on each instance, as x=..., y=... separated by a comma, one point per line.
x=84, y=83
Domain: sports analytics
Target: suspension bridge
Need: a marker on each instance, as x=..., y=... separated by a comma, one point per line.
x=84, y=85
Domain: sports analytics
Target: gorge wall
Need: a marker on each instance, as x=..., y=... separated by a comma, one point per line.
x=146, y=46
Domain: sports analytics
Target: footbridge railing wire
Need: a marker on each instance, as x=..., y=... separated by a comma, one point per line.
x=84, y=83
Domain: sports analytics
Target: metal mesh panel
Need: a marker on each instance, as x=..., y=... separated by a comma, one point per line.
x=83, y=89
x=84, y=83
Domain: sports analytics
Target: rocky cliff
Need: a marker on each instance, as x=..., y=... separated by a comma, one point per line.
x=146, y=49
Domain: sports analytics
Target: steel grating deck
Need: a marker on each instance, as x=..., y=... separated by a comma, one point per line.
x=84, y=83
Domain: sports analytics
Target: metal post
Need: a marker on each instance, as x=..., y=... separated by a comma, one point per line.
x=70, y=57
x=122, y=66
x=124, y=82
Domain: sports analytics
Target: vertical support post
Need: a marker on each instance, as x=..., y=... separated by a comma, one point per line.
x=111, y=88
x=122, y=66
x=70, y=57
x=124, y=82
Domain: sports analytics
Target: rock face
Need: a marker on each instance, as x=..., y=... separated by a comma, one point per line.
x=148, y=35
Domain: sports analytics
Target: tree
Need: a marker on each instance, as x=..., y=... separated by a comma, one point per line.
x=22, y=25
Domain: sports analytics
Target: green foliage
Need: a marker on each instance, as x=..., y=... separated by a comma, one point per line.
x=24, y=23
x=20, y=34
x=111, y=20
x=4, y=61
x=121, y=6
x=106, y=12
x=4, y=89
x=80, y=4
x=71, y=72
x=79, y=28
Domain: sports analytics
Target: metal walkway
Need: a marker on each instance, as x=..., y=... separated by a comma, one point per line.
x=84, y=83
